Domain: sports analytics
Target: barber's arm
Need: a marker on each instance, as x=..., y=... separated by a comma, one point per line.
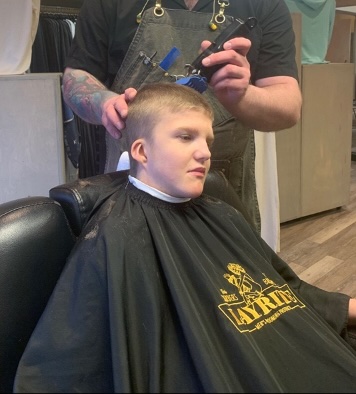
x=94, y=103
x=271, y=104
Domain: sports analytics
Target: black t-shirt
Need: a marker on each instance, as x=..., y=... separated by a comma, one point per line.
x=105, y=29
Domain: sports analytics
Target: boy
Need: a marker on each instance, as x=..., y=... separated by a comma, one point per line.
x=169, y=290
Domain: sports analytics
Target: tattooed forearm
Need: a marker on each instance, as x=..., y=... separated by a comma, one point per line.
x=85, y=95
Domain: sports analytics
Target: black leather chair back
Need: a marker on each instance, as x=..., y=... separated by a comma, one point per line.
x=35, y=240
x=78, y=197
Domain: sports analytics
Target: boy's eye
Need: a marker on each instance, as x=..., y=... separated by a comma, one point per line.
x=185, y=137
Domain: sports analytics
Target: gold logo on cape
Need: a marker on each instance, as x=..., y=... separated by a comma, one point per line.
x=253, y=305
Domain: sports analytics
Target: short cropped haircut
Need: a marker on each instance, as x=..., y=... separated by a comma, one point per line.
x=154, y=100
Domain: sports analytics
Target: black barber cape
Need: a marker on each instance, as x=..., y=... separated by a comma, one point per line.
x=184, y=297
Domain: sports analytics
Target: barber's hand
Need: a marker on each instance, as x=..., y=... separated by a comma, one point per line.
x=230, y=82
x=114, y=112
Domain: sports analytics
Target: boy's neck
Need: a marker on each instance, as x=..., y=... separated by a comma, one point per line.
x=155, y=192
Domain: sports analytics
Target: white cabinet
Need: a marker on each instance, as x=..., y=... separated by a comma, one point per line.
x=32, y=155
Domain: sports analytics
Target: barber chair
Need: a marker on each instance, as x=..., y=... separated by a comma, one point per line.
x=36, y=237
x=78, y=197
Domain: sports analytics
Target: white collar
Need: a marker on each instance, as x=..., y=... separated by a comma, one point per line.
x=155, y=192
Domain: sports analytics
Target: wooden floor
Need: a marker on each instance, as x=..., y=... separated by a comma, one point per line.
x=321, y=248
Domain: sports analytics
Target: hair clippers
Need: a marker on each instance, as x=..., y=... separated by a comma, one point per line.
x=198, y=76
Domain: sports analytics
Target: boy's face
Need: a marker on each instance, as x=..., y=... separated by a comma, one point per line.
x=178, y=156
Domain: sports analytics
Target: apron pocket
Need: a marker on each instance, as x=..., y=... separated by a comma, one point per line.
x=141, y=71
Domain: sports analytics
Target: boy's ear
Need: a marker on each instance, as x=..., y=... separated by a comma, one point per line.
x=138, y=151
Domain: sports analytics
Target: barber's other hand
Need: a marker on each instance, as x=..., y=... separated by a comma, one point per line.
x=114, y=112
x=230, y=82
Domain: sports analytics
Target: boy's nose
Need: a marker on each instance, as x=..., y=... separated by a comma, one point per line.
x=204, y=152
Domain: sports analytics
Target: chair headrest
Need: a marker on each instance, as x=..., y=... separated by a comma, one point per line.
x=79, y=197
x=216, y=185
